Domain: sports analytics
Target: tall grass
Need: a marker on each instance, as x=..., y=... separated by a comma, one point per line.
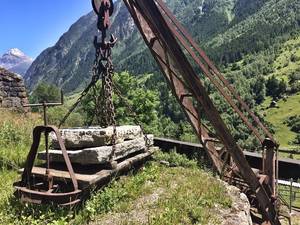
x=16, y=137
x=184, y=195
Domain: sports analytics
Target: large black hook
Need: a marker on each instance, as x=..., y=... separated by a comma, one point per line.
x=98, y=5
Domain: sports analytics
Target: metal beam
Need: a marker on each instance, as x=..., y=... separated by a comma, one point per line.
x=156, y=23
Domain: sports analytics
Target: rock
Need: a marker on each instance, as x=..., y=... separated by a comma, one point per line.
x=239, y=213
x=21, y=94
x=99, y=155
x=79, y=138
x=165, y=163
x=12, y=91
x=273, y=104
x=7, y=103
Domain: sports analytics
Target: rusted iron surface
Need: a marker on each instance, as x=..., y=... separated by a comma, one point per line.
x=178, y=87
x=164, y=42
x=211, y=70
x=89, y=179
x=27, y=188
x=165, y=38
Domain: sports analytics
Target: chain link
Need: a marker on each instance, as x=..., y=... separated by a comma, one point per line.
x=107, y=115
x=104, y=110
x=92, y=84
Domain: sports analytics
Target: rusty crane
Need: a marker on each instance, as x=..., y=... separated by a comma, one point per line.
x=169, y=42
x=174, y=50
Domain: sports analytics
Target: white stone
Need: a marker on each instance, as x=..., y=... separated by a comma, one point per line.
x=99, y=155
x=79, y=138
x=239, y=212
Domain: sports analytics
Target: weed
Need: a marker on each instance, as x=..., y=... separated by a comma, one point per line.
x=180, y=193
x=175, y=159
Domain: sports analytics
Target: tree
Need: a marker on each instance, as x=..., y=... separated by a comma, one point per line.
x=143, y=102
x=272, y=86
x=259, y=90
x=281, y=88
x=294, y=81
x=45, y=92
x=275, y=88
x=294, y=77
x=55, y=115
x=297, y=139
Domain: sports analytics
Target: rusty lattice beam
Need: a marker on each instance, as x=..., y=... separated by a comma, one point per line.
x=164, y=46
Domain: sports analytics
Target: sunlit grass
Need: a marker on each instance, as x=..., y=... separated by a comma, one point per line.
x=164, y=195
x=16, y=136
x=277, y=117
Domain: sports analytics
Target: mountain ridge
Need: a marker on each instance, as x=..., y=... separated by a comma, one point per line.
x=15, y=61
x=215, y=24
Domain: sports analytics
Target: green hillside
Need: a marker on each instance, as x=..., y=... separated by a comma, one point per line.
x=272, y=75
x=288, y=60
x=286, y=63
x=278, y=116
x=255, y=43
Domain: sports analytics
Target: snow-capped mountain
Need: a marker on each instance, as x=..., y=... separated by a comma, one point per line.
x=15, y=61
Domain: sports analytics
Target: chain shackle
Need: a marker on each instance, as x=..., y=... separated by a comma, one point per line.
x=104, y=9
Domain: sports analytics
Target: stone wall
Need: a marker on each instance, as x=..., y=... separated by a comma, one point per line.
x=12, y=91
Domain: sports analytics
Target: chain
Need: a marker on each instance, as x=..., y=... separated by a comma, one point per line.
x=104, y=110
x=92, y=84
x=107, y=110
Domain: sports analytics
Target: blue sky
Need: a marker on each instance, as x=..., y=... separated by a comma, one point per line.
x=33, y=25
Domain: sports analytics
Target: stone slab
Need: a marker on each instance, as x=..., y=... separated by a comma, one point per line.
x=79, y=138
x=99, y=155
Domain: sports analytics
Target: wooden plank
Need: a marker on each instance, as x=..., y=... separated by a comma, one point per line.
x=122, y=166
x=61, y=175
x=85, y=180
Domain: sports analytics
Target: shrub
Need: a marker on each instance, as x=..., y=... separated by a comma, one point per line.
x=176, y=159
x=275, y=88
x=9, y=134
x=56, y=114
x=297, y=139
x=294, y=58
x=294, y=123
x=16, y=135
x=45, y=92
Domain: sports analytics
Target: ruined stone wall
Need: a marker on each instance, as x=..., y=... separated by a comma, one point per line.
x=12, y=91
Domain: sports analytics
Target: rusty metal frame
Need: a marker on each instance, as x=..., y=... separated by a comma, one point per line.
x=178, y=86
x=210, y=71
x=26, y=188
x=165, y=44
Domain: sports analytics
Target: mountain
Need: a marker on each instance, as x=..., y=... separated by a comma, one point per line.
x=68, y=64
x=15, y=61
x=228, y=30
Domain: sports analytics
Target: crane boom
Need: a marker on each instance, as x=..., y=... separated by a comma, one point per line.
x=166, y=38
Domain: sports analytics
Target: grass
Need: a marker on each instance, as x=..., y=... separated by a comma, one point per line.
x=283, y=64
x=277, y=117
x=163, y=195
x=156, y=194
x=16, y=136
x=285, y=192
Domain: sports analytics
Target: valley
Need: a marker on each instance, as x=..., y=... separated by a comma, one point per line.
x=273, y=52
x=255, y=45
